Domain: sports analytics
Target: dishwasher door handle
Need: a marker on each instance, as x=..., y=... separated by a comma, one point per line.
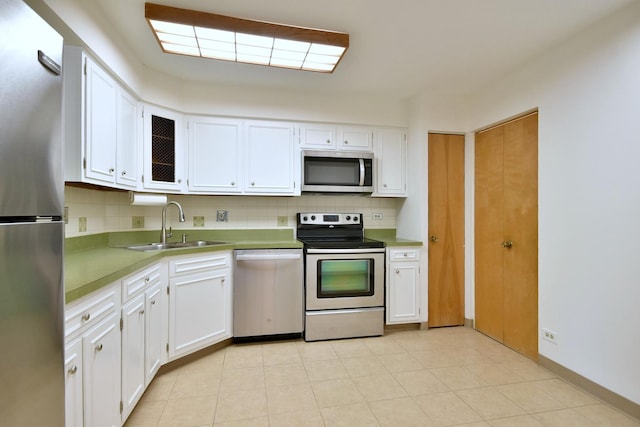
x=269, y=257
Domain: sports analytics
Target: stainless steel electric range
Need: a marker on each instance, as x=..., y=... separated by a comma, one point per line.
x=344, y=277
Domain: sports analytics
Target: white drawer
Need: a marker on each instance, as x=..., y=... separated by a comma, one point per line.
x=196, y=264
x=140, y=280
x=87, y=311
x=404, y=254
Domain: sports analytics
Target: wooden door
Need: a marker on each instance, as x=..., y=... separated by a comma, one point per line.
x=446, y=230
x=506, y=233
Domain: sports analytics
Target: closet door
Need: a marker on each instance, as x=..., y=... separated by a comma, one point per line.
x=446, y=230
x=506, y=238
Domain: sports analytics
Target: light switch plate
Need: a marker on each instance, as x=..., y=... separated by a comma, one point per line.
x=198, y=221
x=137, y=222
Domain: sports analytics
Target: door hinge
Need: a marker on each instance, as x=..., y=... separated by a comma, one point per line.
x=142, y=178
x=84, y=163
x=121, y=323
x=142, y=111
x=85, y=67
x=167, y=348
x=121, y=406
x=167, y=294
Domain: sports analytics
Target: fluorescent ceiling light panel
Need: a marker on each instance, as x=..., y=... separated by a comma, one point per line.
x=207, y=35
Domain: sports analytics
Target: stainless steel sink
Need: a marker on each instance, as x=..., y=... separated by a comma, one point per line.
x=174, y=245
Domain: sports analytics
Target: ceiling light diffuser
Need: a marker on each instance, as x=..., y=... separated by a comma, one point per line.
x=212, y=36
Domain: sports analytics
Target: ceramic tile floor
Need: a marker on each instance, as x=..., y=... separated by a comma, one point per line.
x=439, y=377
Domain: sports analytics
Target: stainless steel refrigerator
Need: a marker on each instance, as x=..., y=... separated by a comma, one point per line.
x=31, y=226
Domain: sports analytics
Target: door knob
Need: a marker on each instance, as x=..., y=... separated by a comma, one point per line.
x=508, y=244
x=434, y=239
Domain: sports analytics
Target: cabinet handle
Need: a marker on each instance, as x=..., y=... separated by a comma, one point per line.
x=99, y=347
x=111, y=170
x=86, y=317
x=346, y=142
x=141, y=312
x=397, y=271
x=508, y=244
x=384, y=185
x=233, y=184
x=434, y=239
x=124, y=173
x=179, y=181
x=73, y=369
x=328, y=141
x=222, y=281
x=146, y=279
x=153, y=302
x=253, y=183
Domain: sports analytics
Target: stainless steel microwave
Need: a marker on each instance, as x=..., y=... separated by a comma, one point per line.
x=337, y=171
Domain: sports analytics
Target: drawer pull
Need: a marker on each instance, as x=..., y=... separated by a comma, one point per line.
x=73, y=369
x=146, y=279
x=153, y=302
x=141, y=312
x=86, y=317
x=99, y=347
x=397, y=271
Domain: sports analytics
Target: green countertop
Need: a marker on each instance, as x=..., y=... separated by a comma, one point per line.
x=94, y=261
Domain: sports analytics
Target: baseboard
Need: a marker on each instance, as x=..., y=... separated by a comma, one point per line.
x=468, y=323
x=619, y=402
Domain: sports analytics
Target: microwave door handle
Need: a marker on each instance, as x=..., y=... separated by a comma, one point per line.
x=361, y=184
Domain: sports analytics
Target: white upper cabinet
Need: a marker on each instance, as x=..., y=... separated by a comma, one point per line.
x=270, y=161
x=317, y=136
x=100, y=125
x=391, y=161
x=163, y=150
x=127, y=137
x=355, y=138
x=214, y=155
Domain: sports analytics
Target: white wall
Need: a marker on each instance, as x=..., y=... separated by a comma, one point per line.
x=588, y=94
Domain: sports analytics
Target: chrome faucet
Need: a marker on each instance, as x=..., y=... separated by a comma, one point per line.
x=163, y=231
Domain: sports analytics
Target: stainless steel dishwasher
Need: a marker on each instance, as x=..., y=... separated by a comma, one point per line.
x=268, y=289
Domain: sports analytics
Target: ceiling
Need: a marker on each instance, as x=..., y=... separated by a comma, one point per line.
x=397, y=48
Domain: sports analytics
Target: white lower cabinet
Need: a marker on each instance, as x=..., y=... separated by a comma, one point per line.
x=403, y=285
x=101, y=360
x=133, y=353
x=73, y=384
x=200, y=302
x=155, y=331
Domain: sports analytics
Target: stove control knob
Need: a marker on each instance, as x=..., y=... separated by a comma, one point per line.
x=313, y=217
x=304, y=218
x=348, y=218
x=355, y=218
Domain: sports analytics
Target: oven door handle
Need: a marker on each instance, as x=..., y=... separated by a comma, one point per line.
x=345, y=251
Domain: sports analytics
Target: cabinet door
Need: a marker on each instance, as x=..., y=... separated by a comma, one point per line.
x=101, y=359
x=126, y=144
x=163, y=150
x=317, y=136
x=355, y=138
x=153, y=332
x=199, y=311
x=391, y=160
x=403, y=287
x=73, y=384
x=270, y=160
x=214, y=155
x=100, y=124
x=133, y=357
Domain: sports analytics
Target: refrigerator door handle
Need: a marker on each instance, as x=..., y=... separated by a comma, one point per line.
x=48, y=63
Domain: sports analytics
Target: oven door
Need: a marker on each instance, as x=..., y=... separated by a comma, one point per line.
x=347, y=278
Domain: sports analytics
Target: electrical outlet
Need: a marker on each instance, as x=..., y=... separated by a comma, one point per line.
x=82, y=224
x=550, y=335
x=222, y=216
x=283, y=221
x=198, y=221
x=137, y=222
x=377, y=216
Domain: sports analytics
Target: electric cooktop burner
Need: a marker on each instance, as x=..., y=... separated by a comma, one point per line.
x=333, y=231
